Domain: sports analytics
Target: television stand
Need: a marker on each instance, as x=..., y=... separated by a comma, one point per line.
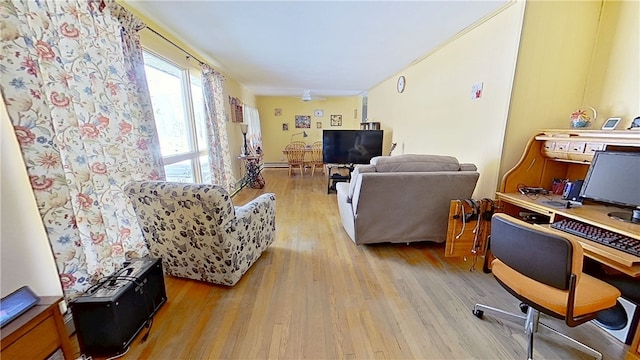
x=335, y=177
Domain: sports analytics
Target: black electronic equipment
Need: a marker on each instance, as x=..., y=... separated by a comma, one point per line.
x=621, y=320
x=351, y=146
x=613, y=179
x=111, y=314
x=572, y=190
x=474, y=210
x=16, y=304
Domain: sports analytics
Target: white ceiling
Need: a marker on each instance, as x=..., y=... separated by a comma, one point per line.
x=332, y=48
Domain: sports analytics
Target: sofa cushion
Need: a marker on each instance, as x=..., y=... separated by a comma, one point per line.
x=415, y=163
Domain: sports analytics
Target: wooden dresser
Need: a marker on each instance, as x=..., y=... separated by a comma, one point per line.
x=38, y=333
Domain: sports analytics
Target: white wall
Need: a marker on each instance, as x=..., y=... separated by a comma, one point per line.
x=436, y=114
x=25, y=253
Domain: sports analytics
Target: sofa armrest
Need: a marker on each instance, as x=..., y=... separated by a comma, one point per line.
x=255, y=222
x=261, y=204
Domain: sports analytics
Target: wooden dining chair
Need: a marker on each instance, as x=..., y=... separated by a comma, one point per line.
x=316, y=157
x=295, y=156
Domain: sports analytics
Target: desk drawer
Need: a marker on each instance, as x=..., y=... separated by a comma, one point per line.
x=549, y=146
x=591, y=148
x=562, y=146
x=577, y=147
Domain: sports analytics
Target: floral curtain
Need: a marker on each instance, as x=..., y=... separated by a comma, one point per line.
x=77, y=99
x=254, y=132
x=219, y=155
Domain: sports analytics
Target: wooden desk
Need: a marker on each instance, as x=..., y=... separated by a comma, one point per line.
x=38, y=333
x=567, y=154
x=593, y=214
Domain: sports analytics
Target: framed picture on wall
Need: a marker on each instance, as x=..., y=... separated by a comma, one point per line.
x=285, y=126
x=336, y=120
x=318, y=124
x=303, y=121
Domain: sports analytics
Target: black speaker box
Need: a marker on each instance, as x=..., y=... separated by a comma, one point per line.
x=111, y=314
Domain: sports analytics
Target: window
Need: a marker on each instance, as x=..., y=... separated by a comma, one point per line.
x=178, y=107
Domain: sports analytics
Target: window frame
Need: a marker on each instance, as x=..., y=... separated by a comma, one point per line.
x=196, y=150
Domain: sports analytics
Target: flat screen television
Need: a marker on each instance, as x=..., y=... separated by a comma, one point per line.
x=351, y=146
x=614, y=178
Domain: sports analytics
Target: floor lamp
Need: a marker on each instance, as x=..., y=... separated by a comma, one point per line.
x=245, y=128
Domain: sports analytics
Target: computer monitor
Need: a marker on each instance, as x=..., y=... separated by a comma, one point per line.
x=614, y=178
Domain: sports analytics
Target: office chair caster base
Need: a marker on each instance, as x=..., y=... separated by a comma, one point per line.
x=479, y=309
x=531, y=323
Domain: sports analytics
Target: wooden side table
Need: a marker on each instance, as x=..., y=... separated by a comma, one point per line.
x=38, y=333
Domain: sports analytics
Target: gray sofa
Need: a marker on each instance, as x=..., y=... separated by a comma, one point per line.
x=403, y=198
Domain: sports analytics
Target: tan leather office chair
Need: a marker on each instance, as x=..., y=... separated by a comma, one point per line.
x=544, y=271
x=295, y=156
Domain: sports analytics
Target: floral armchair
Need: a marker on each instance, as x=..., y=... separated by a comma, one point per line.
x=197, y=231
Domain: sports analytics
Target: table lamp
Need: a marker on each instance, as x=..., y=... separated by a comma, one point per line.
x=303, y=133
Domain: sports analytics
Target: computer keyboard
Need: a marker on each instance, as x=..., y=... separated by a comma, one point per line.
x=599, y=235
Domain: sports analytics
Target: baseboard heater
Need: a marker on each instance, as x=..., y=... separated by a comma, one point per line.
x=275, y=165
x=111, y=314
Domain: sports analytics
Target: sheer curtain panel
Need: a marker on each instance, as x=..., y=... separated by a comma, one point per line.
x=254, y=134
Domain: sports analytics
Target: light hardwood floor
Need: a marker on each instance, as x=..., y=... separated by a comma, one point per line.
x=314, y=294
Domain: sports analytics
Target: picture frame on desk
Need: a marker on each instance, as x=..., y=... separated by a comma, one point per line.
x=611, y=123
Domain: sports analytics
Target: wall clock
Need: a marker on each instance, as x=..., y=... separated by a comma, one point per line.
x=401, y=84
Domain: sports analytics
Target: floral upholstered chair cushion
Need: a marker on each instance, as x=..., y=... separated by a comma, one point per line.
x=197, y=231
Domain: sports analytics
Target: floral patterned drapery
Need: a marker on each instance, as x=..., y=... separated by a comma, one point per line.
x=76, y=96
x=219, y=155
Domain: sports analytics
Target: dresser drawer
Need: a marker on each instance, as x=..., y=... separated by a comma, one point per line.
x=45, y=335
